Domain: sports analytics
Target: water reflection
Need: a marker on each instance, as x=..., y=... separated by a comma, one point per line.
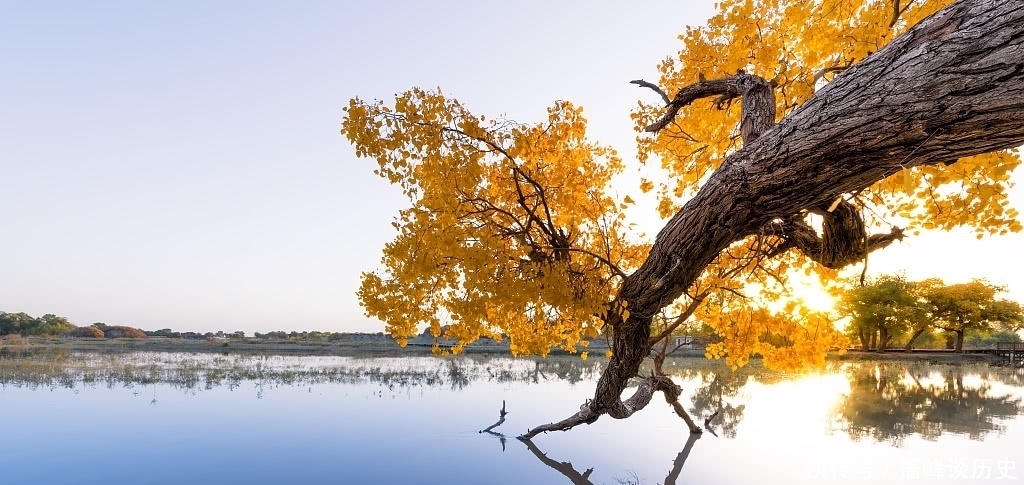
x=197, y=371
x=889, y=402
x=583, y=478
x=715, y=398
x=860, y=403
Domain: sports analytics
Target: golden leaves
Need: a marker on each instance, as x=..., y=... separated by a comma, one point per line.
x=800, y=46
x=510, y=232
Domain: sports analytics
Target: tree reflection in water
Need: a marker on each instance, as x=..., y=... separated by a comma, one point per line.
x=886, y=401
x=48, y=369
x=715, y=400
x=889, y=402
x=578, y=478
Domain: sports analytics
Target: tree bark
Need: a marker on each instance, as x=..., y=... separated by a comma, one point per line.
x=951, y=87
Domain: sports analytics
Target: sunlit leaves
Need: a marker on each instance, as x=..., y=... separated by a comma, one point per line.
x=510, y=232
x=513, y=231
x=800, y=46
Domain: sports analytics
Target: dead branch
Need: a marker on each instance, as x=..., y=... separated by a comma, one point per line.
x=501, y=419
x=654, y=87
x=586, y=415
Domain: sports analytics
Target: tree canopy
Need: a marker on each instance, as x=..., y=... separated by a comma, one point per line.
x=23, y=324
x=795, y=137
x=972, y=306
x=883, y=309
x=892, y=307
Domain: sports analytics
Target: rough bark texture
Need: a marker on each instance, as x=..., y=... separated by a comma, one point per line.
x=951, y=87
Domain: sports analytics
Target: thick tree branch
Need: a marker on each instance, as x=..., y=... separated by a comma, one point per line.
x=843, y=241
x=898, y=12
x=586, y=415
x=951, y=87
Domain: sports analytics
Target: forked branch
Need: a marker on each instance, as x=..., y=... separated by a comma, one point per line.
x=758, y=101
x=589, y=413
x=501, y=419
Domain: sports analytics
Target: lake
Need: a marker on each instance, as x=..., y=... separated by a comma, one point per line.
x=171, y=418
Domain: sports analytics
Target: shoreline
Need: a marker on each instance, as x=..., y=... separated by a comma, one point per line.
x=391, y=349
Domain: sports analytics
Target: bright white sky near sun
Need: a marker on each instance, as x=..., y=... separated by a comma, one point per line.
x=178, y=164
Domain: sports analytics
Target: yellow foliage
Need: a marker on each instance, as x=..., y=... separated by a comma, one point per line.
x=800, y=46
x=512, y=229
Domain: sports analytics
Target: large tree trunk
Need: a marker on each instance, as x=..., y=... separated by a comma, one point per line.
x=883, y=339
x=959, y=341
x=951, y=87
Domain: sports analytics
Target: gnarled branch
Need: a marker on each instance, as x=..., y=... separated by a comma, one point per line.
x=758, y=102
x=843, y=241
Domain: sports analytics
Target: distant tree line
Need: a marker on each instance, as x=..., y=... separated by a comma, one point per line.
x=51, y=325
x=303, y=336
x=891, y=311
x=25, y=325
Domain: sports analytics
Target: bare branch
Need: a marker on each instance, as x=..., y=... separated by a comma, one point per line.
x=679, y=320
x=898, y=12
x=586, y=415
x=831, y=69
x=501, y=419
x=654, y=87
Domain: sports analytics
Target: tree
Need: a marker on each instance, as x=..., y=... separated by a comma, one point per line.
x=883, y=309
x=513, y=230
x=51, y=324
x=972, y=306
x=14, y=323
x=24, y=324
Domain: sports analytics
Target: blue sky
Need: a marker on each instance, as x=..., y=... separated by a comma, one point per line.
x=178, y=164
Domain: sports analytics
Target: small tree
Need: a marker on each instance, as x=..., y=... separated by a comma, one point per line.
x=882, y=310
x=972, y=306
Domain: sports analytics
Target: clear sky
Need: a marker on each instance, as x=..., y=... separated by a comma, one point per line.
x=178, y=164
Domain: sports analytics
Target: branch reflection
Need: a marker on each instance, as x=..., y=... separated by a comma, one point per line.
x=583, y=478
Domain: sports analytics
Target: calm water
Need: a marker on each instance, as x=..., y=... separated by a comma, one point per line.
x=182, y=418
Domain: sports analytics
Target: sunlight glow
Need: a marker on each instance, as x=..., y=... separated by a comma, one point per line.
x=814, y=297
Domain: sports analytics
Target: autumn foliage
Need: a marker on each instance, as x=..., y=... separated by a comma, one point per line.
x=513, y=231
